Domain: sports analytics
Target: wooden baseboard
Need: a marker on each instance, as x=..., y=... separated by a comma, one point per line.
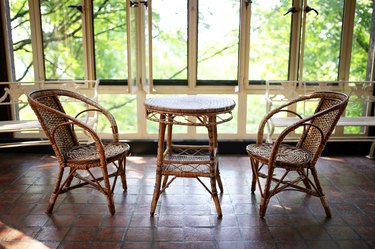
x=226, y=147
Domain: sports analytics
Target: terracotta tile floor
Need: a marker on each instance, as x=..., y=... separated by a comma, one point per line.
x=185, y=216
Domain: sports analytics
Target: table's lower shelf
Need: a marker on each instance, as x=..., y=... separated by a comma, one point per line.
x=187, y=161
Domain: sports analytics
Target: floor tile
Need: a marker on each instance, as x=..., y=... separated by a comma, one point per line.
x=185, y=216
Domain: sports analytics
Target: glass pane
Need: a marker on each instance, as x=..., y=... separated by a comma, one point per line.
x=23, y=68
x=169, y=42
x=361, y=38
x=360, y=104
x=62, y=39
x=269, y=40
x=256, y=110
x=110, y=39
x=322, y=40
x=218, y=39
x=124, y=108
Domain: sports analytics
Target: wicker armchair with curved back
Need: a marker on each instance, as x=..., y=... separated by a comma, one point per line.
x=92, y=158
x=292, y=167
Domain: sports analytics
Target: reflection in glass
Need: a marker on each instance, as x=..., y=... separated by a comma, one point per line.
x=110, y=39
x=62, y=39
x=269, y=40
x=323, y=39
x=124, y=108
x=169, y=39
x=361, y=39
x=23, y=68
x=218, y=39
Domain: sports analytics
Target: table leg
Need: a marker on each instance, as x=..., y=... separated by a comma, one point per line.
x=169, y=142
x=159, y=164
x=213, y=163
x=218, y=178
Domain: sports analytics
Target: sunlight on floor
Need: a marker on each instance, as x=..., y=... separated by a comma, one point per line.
x=16, y=239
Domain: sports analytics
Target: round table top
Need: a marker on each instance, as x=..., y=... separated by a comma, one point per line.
x=194, y=104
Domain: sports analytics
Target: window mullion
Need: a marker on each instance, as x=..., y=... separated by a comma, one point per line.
x=346, y=40
x=88, y=38
x=37, y=40
x=141, y=47
x=295, y=41
x=192, y=42
x=245, y=40
x=132, y=56
x=148, y=73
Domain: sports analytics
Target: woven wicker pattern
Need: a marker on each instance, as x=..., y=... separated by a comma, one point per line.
x=190, y=104
x=188, y=161
x=287, y=156
x=300, y=158
x=88, y=153
x=60, y=130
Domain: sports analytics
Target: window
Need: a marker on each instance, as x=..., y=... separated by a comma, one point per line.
x=218, y=41
x=62, y=39
x=169, y=41
x=269, y=40
x=232, y=47
x=321, y=47
x=22, y=68
x=361, y=40
x=110, y=40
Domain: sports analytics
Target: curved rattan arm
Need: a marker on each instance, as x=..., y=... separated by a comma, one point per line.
x=276, y=145
x=273, y=112
x=109, y=117
x=98, y=107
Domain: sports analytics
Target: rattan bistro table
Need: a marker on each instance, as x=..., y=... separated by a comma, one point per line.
x=188, y=160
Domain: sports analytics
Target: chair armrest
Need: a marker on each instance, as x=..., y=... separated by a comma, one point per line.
x=98, y=108
x=302, y=123
x=268, y=119
x=282, y=108
x=109, y=117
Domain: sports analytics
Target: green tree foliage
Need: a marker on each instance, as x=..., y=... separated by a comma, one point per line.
x=269, y=41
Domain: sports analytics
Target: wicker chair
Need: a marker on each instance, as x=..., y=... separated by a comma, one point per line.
x=61, y=128
x=287, y=167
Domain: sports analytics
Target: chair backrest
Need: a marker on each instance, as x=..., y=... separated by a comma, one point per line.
x=50, y=113
x=331, y=106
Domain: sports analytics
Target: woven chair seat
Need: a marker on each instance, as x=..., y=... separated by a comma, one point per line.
x=287, y=157
x=88, y=156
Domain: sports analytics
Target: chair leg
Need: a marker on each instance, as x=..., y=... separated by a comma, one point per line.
x=165, y=181
x=320, y=189
x=70, y=179
x=305, y=181
x=326, y=207
x=122, y=169
x=215, y=197
x=267, y=193
x=56, y=191
x=254, y=168
x=372, y=151
x=111, y=204
x=263, y=206
x=156, y=195
x=107, y=191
